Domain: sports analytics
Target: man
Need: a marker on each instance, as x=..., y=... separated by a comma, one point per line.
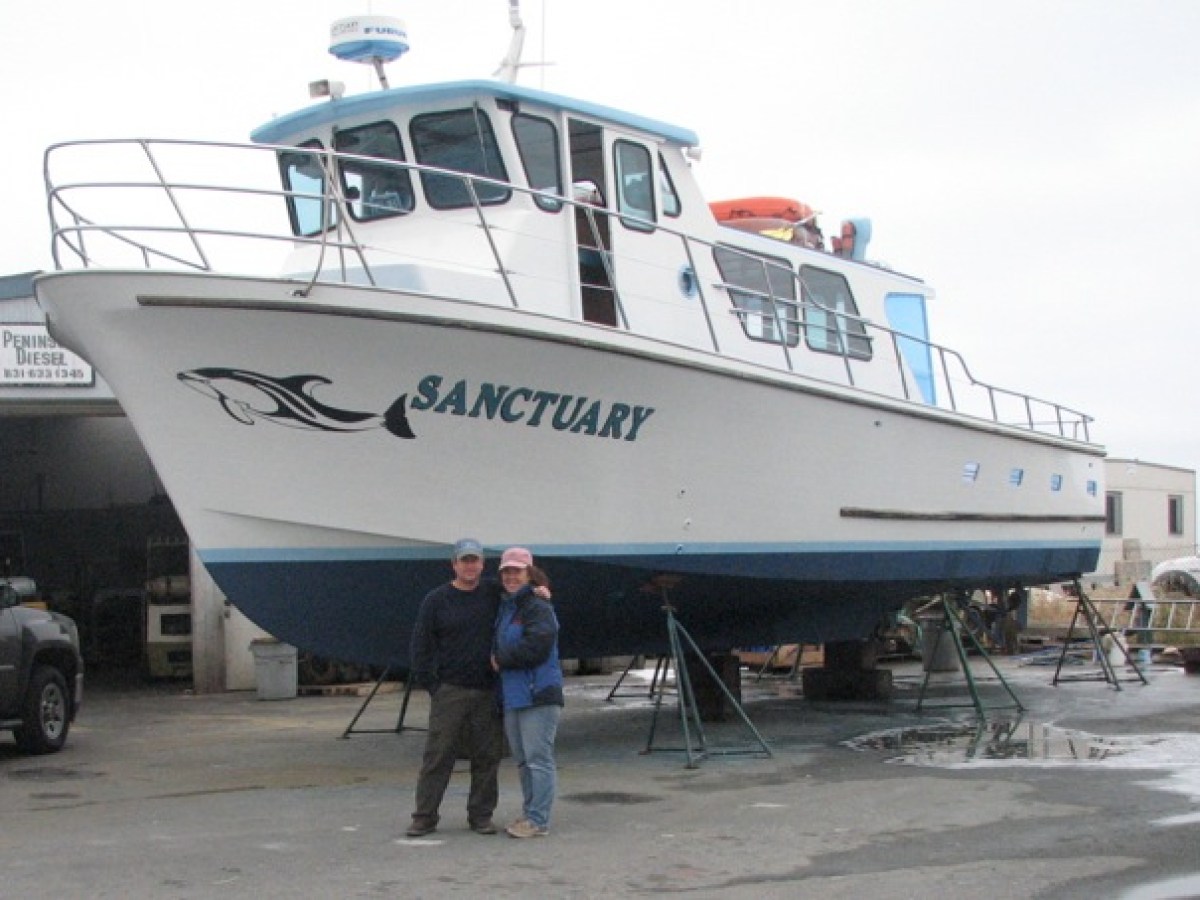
x=451, y=658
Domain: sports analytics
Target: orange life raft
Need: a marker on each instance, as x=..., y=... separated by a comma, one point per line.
x=762, y=208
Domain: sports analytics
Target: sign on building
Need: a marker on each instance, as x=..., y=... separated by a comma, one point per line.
x=29, y=357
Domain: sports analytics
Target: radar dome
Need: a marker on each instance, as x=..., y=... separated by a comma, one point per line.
x=368, y=39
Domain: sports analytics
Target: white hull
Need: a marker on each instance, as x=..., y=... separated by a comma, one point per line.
x=718, y=468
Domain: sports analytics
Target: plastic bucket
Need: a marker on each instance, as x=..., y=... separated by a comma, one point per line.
x=944, y=658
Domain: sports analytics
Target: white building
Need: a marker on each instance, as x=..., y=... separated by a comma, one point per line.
x=1150, y=512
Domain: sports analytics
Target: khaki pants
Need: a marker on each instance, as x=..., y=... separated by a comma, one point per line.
x=463, y=722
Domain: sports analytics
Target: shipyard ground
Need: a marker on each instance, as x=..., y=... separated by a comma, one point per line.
x=162, y=793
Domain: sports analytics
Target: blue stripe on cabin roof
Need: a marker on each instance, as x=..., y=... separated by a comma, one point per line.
x=305, y=122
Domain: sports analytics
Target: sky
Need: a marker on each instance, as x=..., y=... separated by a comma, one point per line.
x=1036, y=161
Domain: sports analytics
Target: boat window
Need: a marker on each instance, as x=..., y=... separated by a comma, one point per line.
x=537, y=142
x=666, y=187
x=304, y=179
x=374, y=191
x=831, y=323
x=763, y=291
x=461, y=140
x=587, y=160
x=635, y=180
x=906, y=316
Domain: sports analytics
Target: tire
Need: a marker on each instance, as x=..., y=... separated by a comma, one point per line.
x=46, y=714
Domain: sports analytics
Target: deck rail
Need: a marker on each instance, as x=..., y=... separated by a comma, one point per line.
x=161, y=220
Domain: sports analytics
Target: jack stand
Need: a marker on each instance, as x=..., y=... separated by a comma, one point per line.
x=659, y=674
x=952, y=622
x=1095, y=623
x=689, y=712
x=350, y=729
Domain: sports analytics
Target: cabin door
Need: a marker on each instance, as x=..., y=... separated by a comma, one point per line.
x=592, y=226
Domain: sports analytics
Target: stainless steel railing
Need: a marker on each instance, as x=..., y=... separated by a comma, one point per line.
x=166, y=221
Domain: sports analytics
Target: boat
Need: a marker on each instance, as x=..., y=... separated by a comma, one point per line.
x=392, y=319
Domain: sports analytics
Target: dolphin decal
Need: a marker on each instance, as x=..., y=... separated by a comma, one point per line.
x=246, y=396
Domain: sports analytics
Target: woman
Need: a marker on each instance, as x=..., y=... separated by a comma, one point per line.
x=531, y=682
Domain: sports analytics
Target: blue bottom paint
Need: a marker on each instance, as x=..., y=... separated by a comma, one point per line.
x=361, y=610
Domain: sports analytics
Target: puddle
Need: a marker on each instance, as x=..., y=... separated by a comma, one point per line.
x=51, y=774
x=1015, y=742
x=616, y=797
x=951, y=744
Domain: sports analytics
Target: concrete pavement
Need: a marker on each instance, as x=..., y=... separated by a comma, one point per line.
x=162, y=793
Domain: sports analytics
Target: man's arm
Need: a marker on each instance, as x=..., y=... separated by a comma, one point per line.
x=423, y=649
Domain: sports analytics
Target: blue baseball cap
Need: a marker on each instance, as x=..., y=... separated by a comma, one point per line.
x=467, y=547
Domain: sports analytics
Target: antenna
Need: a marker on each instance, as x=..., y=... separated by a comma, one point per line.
x=511, y=64
x=373, y=40
x=512, y=59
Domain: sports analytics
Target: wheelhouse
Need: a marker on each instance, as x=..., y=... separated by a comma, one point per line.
x=589, y=213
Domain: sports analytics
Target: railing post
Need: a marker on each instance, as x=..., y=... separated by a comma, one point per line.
x=174, y=201
x=470, y=185
x=712, y=331
x=787, y=357
x=899, y=364
x=843, y=349
x=949, y=381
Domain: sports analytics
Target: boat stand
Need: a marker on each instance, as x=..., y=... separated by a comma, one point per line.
x=1097, y=627
x=952, y=623
x=400, y=726
x=689, y=712
x=659, y=674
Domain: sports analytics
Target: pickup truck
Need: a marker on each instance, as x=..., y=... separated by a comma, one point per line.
x=41, y=670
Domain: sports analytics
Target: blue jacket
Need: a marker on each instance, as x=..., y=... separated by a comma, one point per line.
x=527, y=651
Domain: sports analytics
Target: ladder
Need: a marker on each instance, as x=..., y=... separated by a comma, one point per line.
x=1144, y=613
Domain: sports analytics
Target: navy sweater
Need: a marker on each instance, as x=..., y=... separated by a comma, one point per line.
x=452, y=637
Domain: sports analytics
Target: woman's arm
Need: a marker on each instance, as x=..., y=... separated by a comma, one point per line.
x=539, y=631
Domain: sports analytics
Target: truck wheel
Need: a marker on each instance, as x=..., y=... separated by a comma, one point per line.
x=47, y=712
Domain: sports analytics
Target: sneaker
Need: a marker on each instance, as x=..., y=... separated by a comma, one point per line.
x=523, y=828
x=484, y=827
x=420, y=828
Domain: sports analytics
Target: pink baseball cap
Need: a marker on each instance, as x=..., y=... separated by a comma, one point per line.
x=516, y=558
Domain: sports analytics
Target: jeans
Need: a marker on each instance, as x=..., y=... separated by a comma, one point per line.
x=462, y=721
x=531, y=734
